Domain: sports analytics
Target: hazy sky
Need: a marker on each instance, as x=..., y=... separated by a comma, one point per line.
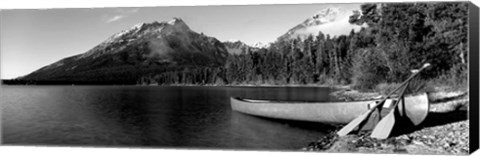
x=31, y=39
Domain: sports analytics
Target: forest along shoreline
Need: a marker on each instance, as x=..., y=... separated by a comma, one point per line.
x=444, y=131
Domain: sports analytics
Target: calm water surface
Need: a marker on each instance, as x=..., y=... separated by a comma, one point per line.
x=151, y=116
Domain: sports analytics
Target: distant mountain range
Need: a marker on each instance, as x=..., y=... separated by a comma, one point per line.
x=236, y=47
x=157, y=47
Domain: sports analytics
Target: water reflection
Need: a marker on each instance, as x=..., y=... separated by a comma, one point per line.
x=185, y=117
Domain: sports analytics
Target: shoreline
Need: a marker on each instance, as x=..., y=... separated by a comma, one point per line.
x=444, y=131
x=270, y=85
x=194, y=85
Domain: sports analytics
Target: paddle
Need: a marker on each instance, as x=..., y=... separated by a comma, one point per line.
x=357, y=121
x=384, y=127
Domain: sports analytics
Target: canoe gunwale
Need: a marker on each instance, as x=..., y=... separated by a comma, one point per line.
x=300, y=102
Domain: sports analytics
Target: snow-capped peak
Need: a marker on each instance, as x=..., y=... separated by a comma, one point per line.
x=327, y=12
x=233, y=40
x=174, y=21
x=260, y=45
x=332, y=21
x=144, y=29
x=178, y=23
x=325, y=16
x=138, y=26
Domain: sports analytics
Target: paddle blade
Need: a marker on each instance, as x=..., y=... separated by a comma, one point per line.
x=353, y=124
x=384, y=127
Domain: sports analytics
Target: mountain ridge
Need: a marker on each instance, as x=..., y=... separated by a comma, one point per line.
x=143, y=49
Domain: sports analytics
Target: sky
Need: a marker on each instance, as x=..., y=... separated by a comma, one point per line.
x=33, y=38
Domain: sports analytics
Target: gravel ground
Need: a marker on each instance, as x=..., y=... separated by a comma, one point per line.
x=444, y=131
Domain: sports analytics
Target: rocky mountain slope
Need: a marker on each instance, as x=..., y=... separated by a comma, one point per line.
x=143, y=49
x=236, y=47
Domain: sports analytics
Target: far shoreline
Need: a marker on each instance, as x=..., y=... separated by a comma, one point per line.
x=181, y=85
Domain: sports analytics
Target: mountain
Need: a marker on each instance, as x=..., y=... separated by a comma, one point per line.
x=260, y=45
x=235, y=47
x=332, y=21
x=146, y=48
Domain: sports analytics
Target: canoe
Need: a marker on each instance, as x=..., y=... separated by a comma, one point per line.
x=415, y=108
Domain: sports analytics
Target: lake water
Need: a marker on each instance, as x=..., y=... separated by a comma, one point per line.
x=152, y=116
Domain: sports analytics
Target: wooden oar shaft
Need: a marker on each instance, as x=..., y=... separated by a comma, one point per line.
x=400, y=98
x=401, y=85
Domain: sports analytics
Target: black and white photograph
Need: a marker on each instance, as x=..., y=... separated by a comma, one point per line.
x=373, y=77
